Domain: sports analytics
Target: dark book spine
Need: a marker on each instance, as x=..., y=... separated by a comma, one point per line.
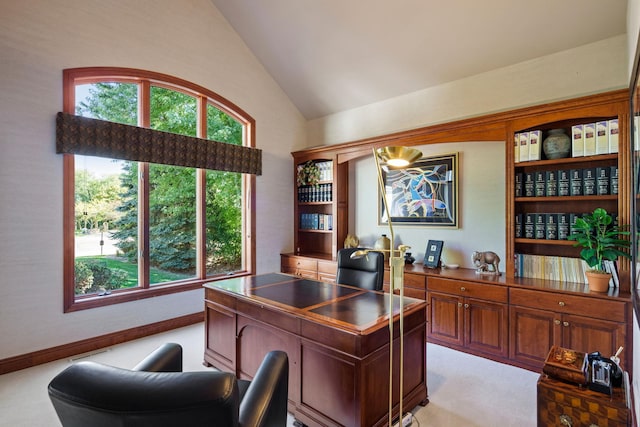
x=529, y=226
x=563, y=226
x=518, y=184
x=551, y=227
x=518, y=226
x=564, y=183
x=576, y=182
x=614, y=180
x=572, y=222
x=603, y=181
x=529, y=184
x=551, y=177
x=541, y=184
x=541, y=226
x=589, y=187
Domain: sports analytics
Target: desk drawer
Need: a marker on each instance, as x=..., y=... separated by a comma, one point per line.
x=468, y=289
x=571, y=304
x=299, y=263
x=328, y=267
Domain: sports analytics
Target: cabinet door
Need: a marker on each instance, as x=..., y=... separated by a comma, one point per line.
x=445, y=319
x=588, y=335
x=220, y=337
x=533, y=333
x=485, y=326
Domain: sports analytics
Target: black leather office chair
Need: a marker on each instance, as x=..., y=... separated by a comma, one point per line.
x=365, y=272
x=156, y=393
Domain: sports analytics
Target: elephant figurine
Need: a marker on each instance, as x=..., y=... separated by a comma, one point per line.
x=486, y=262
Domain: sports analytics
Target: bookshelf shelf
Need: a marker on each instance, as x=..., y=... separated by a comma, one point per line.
x=564, y=198
x=578, y=180
x=302, y=230
x=545, y=242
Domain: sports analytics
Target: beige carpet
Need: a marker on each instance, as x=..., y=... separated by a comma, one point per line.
x=463, y=390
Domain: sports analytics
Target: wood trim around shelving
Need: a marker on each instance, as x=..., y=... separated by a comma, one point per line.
x=29, y=360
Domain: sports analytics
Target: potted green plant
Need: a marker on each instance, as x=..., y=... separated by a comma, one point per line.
x=308, y=174
x=601, y=239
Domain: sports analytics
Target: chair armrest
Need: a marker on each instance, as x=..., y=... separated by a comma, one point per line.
x=265, y=402
x=166, y=358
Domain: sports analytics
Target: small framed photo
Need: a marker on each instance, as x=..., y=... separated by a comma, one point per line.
x=432, y=253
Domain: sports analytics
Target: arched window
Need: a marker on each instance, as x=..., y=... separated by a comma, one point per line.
x=156, y=210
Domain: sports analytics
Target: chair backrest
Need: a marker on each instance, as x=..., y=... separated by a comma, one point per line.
x=366, y=272
x=92, y=394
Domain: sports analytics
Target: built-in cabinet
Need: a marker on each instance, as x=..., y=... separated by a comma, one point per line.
x=523, y=203
x=510, y=318
x=540, y=320
x=468, y=315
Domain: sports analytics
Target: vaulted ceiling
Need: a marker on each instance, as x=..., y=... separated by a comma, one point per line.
x=334, y=55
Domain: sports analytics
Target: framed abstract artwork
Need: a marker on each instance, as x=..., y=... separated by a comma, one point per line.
x=424, y=194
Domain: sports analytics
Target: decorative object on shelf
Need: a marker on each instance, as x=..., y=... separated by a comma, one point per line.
x=557, y=145
x=398, y=158
x=486, y=262
x=383, y=244
x=432, y=253
x=351, y=241
x=308, y=174
x=408, y=259
x=601, y=240
x=425, y=194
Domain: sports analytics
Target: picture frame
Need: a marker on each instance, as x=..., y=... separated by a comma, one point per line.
x=432, y=253
x=424, y=194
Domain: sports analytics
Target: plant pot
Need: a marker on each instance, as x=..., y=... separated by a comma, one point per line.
x=598, y=280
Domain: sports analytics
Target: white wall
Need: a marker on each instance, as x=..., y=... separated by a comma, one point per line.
x=589, y=69
x=481, y=193
x=188, y=39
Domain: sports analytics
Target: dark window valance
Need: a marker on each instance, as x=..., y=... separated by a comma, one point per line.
x=93, y=137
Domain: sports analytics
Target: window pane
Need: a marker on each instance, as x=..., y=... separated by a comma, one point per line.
x=172, y=194
x=224, y=222
x=105, y=199
x=224, y=213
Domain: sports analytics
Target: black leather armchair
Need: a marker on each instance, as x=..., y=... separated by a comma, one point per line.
x=156, y=393
x=365, y=272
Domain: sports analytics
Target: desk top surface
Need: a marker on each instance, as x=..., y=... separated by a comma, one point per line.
x=345, y=305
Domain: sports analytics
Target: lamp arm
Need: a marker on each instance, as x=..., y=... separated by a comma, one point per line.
x=396, y=270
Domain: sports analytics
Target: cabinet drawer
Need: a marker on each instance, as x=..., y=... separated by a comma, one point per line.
x=299, y=263
x=468, y=289
x=417, y=281
x=328, y=267
x=571, y=304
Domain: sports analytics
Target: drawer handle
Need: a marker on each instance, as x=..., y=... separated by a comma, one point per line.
x=459, y=304
x=466, y=306
x=462, y=288
x=565, y=323
x=561, y=304
x=557, y=322
x=565, y=420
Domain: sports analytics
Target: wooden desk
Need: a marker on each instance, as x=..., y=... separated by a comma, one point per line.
x=337, y=339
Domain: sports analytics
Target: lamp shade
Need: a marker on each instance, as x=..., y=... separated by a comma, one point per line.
x=398, y=156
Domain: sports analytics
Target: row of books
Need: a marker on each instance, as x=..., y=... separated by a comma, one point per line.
x=565, y=269
x=546, y=226
x=316, y=221
x=587, y=139
x=596, y=181
x=326, y=170
x=595, y=138
x=315, y=193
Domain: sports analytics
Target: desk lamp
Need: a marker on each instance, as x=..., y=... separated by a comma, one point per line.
x=397, y=158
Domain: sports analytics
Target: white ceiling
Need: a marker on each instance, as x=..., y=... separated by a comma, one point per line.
x=334, y=55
